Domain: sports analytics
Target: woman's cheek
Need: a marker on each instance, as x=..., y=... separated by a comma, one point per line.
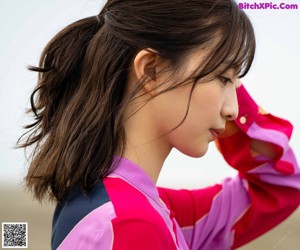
x=189, y=139
x=170, y=109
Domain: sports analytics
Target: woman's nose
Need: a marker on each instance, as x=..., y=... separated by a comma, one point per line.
x=230, y=109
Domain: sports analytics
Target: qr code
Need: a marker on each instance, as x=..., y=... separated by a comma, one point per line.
x=14, y=235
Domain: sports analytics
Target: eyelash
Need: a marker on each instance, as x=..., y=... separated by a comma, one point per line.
x=225, y=80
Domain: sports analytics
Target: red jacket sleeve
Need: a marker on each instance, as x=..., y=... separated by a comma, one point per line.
x=265, y=192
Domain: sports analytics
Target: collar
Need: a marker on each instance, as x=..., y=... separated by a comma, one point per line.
x=135, y=176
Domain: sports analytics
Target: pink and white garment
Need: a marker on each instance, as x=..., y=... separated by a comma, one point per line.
x=126, y=211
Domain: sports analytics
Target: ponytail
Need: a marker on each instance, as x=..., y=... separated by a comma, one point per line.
x=59, y=71
x=76, y=125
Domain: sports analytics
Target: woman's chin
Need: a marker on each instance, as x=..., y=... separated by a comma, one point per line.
x=195, y=152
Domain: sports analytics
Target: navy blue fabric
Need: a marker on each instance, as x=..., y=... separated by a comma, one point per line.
x=67, y=215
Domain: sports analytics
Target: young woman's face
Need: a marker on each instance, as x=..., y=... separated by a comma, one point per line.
x=212, y=103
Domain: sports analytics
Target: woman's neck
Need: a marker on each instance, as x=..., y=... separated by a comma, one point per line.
x=150, y=157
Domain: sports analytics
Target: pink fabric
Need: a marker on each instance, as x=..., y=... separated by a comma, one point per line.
x=92, y=232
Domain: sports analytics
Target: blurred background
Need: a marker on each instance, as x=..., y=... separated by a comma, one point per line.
x=26, y=27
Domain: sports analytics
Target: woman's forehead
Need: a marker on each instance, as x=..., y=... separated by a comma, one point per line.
x=197, y=60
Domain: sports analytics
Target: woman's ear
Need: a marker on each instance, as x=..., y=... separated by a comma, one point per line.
x=145, y=66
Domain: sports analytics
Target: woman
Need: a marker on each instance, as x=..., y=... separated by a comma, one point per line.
x=117, y=91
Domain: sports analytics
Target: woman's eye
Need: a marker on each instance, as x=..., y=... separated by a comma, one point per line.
x=225, y=80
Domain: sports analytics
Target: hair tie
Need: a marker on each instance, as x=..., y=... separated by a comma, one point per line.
x=102, y=18
x=105, y=17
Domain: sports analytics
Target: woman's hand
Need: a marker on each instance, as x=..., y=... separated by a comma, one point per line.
x=258, y=147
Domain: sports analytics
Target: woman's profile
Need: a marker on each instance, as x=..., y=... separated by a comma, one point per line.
x=117, y=91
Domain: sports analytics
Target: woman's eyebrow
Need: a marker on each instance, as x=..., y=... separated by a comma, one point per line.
x=233, y=72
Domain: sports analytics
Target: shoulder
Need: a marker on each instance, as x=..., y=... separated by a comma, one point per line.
x=128, y=201
x=137, y=232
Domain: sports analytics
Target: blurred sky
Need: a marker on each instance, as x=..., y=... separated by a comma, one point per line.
x=26, y=27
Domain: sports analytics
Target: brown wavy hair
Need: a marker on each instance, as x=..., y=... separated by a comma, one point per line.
x=79, y=102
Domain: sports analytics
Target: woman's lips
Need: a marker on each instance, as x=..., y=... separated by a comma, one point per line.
x=216, y=132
